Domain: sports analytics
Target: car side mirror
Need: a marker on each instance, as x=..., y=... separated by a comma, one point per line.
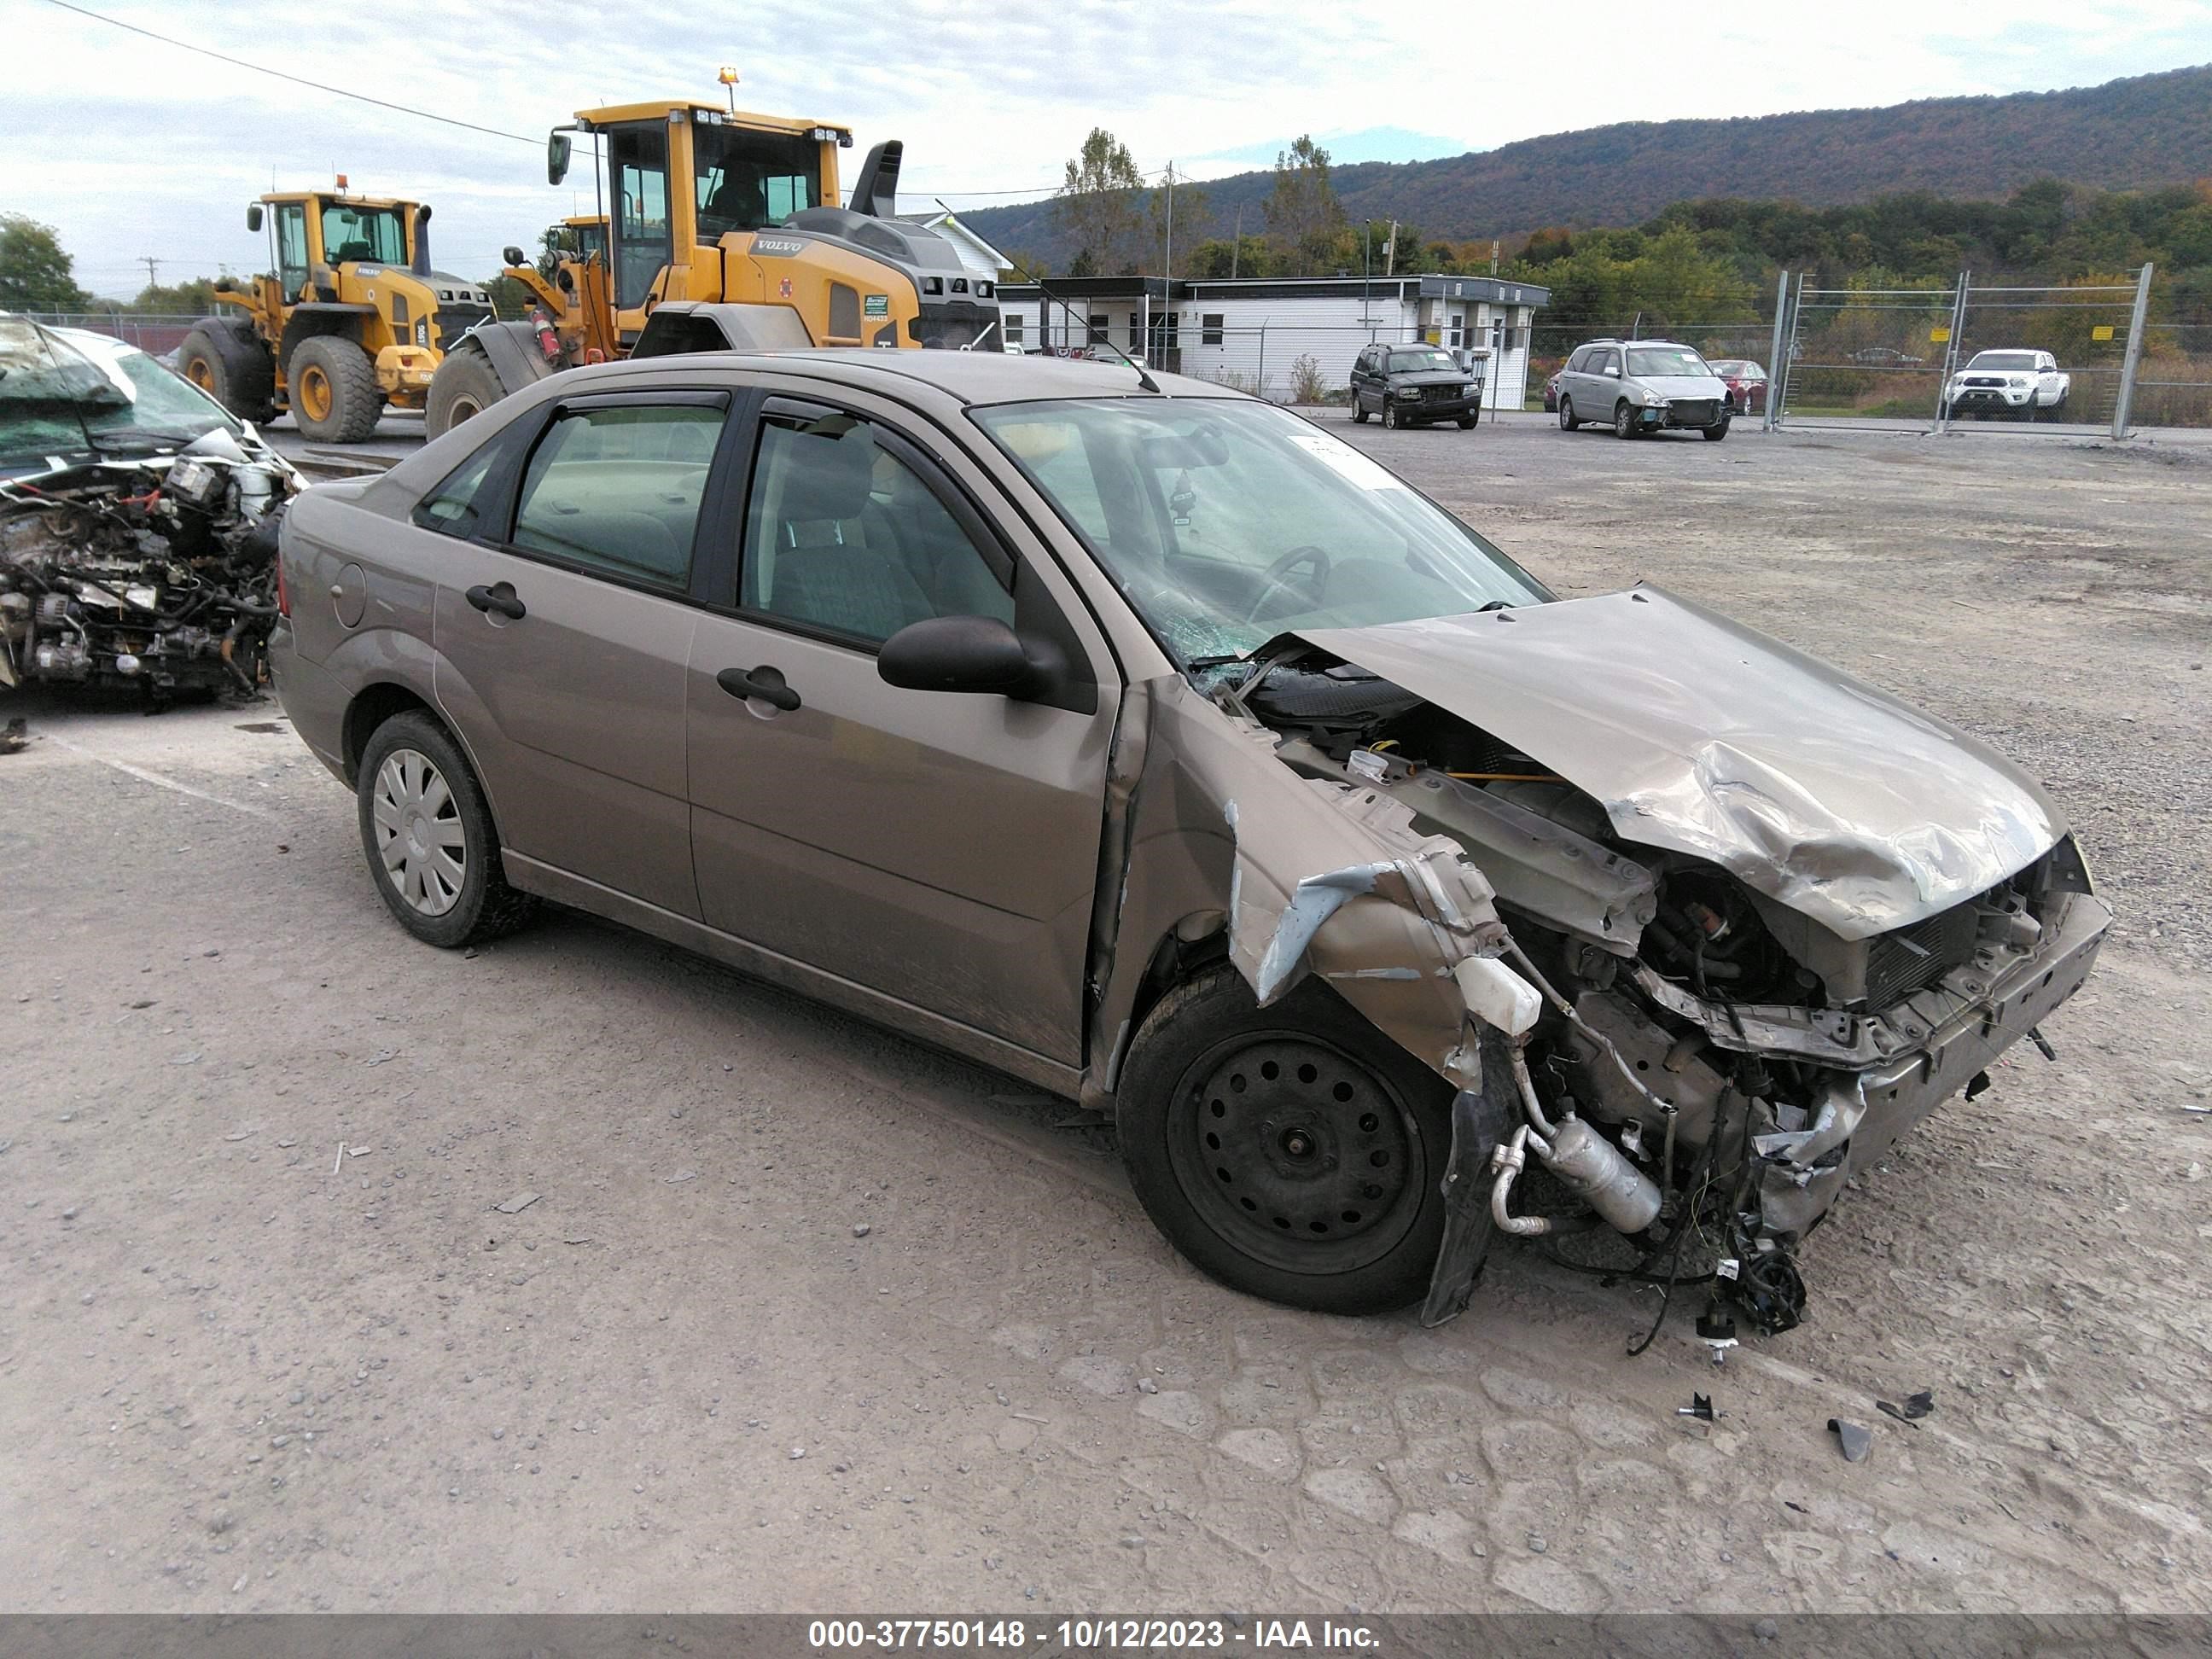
x=1612, y=370
x=254, y=217
x=965, y=653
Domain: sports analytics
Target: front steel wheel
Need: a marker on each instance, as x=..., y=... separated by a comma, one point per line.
x=1293, y=1153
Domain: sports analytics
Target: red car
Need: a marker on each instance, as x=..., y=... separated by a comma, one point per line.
x=1746, y=381
x=1552, y=396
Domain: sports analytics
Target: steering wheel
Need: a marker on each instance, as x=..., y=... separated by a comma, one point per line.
x=1277, y=576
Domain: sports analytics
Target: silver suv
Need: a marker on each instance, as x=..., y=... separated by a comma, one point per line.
x=1637, y=386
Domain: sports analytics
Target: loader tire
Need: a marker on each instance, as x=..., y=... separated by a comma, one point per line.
x=332, y=386
x=464, y=385
x=224, y=360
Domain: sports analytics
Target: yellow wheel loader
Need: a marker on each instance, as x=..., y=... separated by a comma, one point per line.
x=723, y=230
x=352, y=319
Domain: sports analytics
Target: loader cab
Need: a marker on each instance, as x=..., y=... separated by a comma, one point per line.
x=311, y=233
x=680, y=176
x=585, y=238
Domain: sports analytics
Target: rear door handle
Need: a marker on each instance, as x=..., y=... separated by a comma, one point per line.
x=499, y=597
x=764, y=683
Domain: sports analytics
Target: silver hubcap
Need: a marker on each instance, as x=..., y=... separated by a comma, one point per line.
x=418, y=832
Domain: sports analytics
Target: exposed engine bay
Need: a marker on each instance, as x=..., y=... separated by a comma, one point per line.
x=132, y=554
x=1704, y=1065
x=158, y=576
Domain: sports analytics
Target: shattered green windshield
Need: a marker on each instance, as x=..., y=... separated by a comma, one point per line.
x=1228, y=522
x=59, y=398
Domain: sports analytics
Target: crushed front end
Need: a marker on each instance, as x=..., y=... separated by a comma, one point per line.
x=137, y=524
x=1759, y=943
x=162, y=579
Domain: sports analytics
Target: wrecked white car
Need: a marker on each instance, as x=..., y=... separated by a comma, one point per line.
x=1149, y=742
x=137, y=523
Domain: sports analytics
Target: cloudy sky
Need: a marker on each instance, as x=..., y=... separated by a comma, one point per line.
x=132, y=147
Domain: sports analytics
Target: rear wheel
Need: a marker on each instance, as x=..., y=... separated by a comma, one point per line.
x=333, y=386
x=427, y=834
x=1624, y=420
x=1567, y=420
x=464, y=386
x=1292, y=1153
x=232, y=367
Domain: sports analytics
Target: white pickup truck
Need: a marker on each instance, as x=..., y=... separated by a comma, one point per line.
x=2022, y=386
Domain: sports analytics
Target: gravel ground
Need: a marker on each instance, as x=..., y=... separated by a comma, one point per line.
x=804, y=1316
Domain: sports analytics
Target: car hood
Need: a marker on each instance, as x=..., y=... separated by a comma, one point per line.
x=1430, y=377
x=1704, y=737
x=1683, y=385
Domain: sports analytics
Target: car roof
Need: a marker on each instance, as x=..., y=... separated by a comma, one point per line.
x=971, y=377
x=1609, y=339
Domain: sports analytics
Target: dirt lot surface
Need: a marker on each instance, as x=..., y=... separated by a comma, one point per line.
x=806, y=1317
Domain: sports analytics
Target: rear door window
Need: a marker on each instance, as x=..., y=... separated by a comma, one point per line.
x=614, y=489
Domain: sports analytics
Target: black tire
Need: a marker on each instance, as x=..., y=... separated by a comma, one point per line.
x=1390, y=422
x=1624, y=420
x=1333, y=1200
x=354, y=406
x=1467, y=422
x=484, y=907
x=1716, y=431
x=1567, y=420
x=225, y=359
x=465, y=385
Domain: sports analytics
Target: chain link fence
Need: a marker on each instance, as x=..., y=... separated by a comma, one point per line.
x=2064, y=358
x=2173, y=381
x=156, y=335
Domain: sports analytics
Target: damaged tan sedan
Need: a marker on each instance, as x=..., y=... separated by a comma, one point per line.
x=1149, y=742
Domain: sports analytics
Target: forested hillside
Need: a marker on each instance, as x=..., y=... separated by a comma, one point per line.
x=2131, y=134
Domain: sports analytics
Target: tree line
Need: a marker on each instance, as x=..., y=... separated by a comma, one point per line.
x=1709, y=260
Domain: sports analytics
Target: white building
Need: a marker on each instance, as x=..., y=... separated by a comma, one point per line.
x=1257, y=332
x=978, y=255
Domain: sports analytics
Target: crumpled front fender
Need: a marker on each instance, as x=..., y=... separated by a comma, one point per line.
x=1307, y=876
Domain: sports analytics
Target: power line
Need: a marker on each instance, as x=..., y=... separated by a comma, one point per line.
x=432, y=115
x=316, y=86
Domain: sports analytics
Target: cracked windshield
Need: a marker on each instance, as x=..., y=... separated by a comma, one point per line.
x=1227, y=522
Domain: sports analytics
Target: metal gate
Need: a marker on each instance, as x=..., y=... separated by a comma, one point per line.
x=1932, y=358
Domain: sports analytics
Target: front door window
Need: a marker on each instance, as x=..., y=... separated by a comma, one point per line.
x=845, y=537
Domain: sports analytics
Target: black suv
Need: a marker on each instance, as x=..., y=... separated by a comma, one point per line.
x=1413, y=385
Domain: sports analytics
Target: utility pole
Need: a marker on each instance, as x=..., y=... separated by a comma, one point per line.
x=1493, y=256
x=1390, y=251
x=1237, y=242
x=152, y=268
x=1169, y=272
x=1367, y=277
